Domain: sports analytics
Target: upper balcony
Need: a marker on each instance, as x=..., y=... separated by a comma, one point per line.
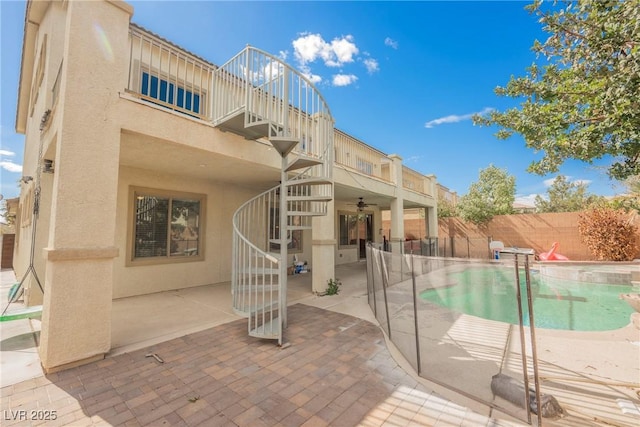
x=168, y=76
x=164, y=74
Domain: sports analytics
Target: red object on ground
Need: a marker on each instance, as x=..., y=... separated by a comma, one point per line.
x=552, y=255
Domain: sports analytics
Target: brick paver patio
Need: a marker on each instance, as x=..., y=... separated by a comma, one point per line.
x=337, y=371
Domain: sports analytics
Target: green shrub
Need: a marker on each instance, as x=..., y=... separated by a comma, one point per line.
x=333, y=287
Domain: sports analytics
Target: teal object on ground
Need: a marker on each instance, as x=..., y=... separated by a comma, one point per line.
x=490, y=293
x=14, y=292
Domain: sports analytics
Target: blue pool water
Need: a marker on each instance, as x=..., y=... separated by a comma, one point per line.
x=557, y=304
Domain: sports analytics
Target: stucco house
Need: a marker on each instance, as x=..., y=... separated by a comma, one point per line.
x=150, y=169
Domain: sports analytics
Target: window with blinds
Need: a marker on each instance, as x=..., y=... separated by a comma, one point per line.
x=167, y=225
x=348, y=229
x=170, y=94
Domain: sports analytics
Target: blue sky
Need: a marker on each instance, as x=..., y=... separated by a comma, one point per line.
x=404, y=77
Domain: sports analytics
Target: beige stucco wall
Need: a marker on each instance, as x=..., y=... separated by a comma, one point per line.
x=102, y=141
x=345, y=255
x=80, y=250
x=50, y=35
x=222, y=200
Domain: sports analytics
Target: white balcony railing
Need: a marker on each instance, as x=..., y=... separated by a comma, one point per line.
x=161, y=73
x=274, y=101
x=413, y=180
x=360, y=157
x=166, y=75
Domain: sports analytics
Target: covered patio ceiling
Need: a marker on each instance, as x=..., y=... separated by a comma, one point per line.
x=158, y=155
x=154, y=154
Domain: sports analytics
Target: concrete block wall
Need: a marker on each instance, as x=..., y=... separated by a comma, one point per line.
x=535, y=231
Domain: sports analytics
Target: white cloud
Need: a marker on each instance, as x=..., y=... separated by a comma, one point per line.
x=528, y=200
x=313, y=78
x=313, y=48
x=10, y=166
x=344, y=79
x=581, y=182
x=413, y=158
x=271, y=70
x=344, y=49
x=391, y=43
x=549, y=182
x=310, y=47
x=7, y=153
x=372, y=65
x=454, y=118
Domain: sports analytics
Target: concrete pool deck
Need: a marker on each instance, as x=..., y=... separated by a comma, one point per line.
x=594, y=375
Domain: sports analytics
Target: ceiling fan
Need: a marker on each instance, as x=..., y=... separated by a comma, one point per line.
x=361, y=204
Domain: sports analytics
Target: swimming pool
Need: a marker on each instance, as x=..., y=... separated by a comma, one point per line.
x=490, y=293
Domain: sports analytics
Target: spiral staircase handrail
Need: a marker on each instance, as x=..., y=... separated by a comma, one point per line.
x=237, y=231
x=280, y=61
x=269, y=99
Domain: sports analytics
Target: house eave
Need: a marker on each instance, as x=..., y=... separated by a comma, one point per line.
x=34, y=13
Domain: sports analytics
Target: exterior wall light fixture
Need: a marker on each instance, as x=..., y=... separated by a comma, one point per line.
x=47, y=166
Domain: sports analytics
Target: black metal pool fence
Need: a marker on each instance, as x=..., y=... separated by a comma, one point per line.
x=489, y=361
x=447, y=247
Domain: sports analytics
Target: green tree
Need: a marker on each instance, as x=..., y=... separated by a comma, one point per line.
x=631, y=200
x=6, y=217
x=446, y=208
x=580, y=99
x=493, y=194
x=565, y=196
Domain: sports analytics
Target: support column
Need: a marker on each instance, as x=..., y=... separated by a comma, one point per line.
x=397, y=206
x=432, y=217
x=432, y=221
x=323, y=249
x=431, y=214
x=76, y=320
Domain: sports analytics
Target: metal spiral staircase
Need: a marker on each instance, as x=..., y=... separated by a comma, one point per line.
x=260, y=97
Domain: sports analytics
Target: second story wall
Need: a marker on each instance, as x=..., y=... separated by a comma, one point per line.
x=44, y=44
x=119, y=58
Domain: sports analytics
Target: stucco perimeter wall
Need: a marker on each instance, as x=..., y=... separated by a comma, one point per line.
x=536, y=231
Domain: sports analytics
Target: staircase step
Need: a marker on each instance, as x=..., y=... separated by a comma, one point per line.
x=283, y=144
x=277, y=241
x=266, y=308
x=235, y=123
x=270, y=329
x=260, y=270
x=308, y=181
x=305, y=213
x=299, y=227
x=309, y=198
x=302, y=162
x=251, y=311
x=274, y=287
